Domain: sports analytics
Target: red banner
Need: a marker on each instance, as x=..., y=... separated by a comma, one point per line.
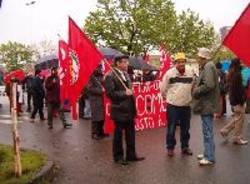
x=151, y=108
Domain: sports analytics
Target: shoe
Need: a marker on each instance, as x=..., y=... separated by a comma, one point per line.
x=104, y=135
x=67, y=125
x=32, y=120
x=200, y=156
x=96, y=137
x=136, y=159
x=223, y=133
x=240, y=142
x=121, y=162
x=187, y=151
x=50, y=126
x=204, y=162
x=42, y=119
x=170, y=152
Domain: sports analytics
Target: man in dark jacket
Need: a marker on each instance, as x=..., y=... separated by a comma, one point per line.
x=52, y=86
x=123, y=110
x=206, y=94
x=38, y=95
x=28, y=85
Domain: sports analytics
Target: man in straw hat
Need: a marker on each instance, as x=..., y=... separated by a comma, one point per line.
x=176, y=87
x=206, y=94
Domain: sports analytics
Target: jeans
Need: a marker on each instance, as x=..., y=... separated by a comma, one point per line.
x=183, y=115
x=208, y=137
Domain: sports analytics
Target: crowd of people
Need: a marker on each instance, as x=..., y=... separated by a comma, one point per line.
x=183, y=91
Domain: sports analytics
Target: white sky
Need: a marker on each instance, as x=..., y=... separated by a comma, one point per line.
x=46, y=18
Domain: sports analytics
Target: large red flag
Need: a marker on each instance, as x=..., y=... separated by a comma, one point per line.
x=64, y=75
x=85, y=57
x=238, y=39
x=165, y=62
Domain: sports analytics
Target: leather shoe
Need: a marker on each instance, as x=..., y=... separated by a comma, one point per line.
x=136, y=159
x=187, y=151
x=170, y=152
x=121, y=162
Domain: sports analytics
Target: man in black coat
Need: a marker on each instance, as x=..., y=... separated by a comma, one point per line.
x=38, y=95
x=28, y=84
x=123, y=111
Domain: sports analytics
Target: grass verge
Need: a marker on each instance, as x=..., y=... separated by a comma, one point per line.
x=32, y=161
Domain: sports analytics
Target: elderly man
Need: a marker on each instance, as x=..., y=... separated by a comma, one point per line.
x=176, y=87
x=206, y=94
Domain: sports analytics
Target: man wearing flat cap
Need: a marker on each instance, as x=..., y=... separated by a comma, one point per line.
x=123, y=110
x=206, y=97
x=176, y=87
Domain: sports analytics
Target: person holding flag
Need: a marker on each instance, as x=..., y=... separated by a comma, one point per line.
x=123, y=110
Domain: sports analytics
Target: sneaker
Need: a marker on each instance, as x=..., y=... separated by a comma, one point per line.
x=200, y=156
x=187, y=151
x=170, y=152
x=240, y=142
x=204, y=162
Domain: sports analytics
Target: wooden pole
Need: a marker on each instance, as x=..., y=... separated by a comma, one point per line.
x=16, y=138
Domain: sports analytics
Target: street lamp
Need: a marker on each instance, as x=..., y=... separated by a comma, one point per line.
x=30, y=3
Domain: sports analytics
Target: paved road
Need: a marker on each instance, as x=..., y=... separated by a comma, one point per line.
x=85, y=161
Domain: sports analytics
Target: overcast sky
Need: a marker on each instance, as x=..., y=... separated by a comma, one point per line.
x=46, y=18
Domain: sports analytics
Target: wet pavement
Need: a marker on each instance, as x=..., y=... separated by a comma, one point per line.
x=86, y=161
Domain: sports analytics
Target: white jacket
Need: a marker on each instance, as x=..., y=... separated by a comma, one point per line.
x=176, y=88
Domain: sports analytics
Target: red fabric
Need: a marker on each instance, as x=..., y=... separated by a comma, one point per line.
x=87, y=58
x=151, y=108
x=18, y=74
x=146, y=57
x=165, y=62
x=238, y=38
x=64, y=75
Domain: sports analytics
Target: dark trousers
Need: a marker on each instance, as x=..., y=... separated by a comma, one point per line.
x=29, y=97
x=38, y=106
x=52, y=107
x=183, y=115
x=97, y=128
x=129, y=128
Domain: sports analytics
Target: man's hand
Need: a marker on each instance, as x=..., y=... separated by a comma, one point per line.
x=129, y=92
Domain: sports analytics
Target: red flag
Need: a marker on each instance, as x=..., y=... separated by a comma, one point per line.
x=146, y=57
x=64, y=75
x=165, y=62
x=85, y=57
x=238, y=38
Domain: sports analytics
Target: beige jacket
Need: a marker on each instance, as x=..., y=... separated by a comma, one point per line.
x=176, y=88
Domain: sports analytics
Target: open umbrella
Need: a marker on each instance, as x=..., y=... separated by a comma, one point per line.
x=17, y=74
x=109, y=53
x=139, y=64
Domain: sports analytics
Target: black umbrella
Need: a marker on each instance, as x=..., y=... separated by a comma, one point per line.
x=140, y=64
x=109, y=53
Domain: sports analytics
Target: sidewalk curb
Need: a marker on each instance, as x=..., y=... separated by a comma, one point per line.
x=47, y=173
